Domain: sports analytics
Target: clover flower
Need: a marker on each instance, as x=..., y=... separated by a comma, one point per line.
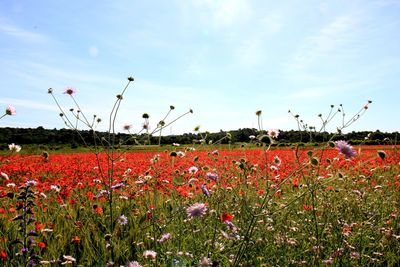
x=345, y=149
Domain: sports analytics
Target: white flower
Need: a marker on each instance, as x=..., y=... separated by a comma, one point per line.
x=193, y=169
x=68, y=258
x=56, y=188
x=133, y=264
x=273, y=133
x=5, y=176
x=14, y=148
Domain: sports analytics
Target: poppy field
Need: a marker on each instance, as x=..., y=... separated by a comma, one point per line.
x=199, y=206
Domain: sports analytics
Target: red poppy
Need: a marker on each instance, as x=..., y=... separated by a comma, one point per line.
x=76, y=239
x=3, y=255
x=98, y=210
x=226, y=217
x=42, y=245
x=38, y=226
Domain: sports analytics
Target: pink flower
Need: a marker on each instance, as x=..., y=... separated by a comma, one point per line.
x=69, y=91
x=345, y=149
x=196, y=210
x=165, y=237
x=11, y=110
x=273, y=133
x=149, y=254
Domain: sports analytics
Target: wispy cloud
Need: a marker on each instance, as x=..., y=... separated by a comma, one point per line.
x=252, y=50
x=22, y=34
x=224, y=13
x=23, y=103
x=328, y=41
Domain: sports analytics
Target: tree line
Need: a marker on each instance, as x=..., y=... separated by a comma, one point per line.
x=55, y=137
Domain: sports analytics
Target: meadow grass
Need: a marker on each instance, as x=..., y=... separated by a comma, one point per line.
x=335, y=211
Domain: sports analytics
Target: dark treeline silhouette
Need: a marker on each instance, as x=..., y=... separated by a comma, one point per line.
x=55, y=137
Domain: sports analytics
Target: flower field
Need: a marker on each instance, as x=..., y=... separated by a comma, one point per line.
x=190, y=207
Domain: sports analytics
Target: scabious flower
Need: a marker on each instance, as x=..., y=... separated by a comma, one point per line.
x=180, y=154
x=205, y=190
x=193, y=169
x=118, y=186
x=127, y=127
x=122, y=220
x=149, y=254
x=14, y=148
x=133, y=264
x=212, y=176
x=205, y=262
x=196, y=210
x=70, y=91
x=164, y=238
x=277, y=161
x=10, y=110
x=273, y=133
x=345, y=149
x=31, y=183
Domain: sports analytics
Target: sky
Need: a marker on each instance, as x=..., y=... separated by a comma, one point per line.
x=224, y=59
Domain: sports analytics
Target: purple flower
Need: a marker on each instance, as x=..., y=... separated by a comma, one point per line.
x=165, y=237
x=118, y=186
x=205, y=190
x=133, y=264
x=122, y=220
x=345, y=149
x=212, y=176
x=196, y=210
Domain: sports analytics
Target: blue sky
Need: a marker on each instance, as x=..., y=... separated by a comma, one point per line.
x=225, y=59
